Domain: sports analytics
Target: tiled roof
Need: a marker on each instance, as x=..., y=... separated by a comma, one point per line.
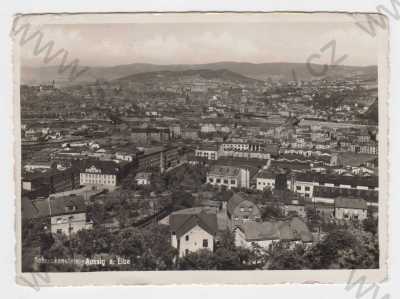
x=237, y=199
x=333, y=192
x=184, y=220
x=266, y=174
x=350, y=203
x=53, y=206
x=106, y=167
x=289, y=230
x=67, y=205
x=223, y=170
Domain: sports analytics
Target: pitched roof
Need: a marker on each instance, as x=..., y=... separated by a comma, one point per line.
x=237, y=199
x=333, y=192
x=143, y=176
x=106, y=167
x=71, y=204
x=257, y=231
x=184, y=220
x=350, y=203
x=34, y=209
x=288, y=230
x=53, y=206
x=223, y=170
x=266, y=174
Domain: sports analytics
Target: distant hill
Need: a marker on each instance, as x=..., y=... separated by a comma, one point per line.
x=173, y=76
x=260, y=71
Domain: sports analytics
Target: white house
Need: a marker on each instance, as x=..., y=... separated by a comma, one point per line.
x=193, y=229
x=228, y=176
x=350, y=208
x=207, y=152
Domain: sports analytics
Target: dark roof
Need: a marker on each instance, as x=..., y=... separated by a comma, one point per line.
x=67, y=205
x=106, y=167
x=273, y=149
x=34, y=209
x=266, y=174
x=333, y=192
x=150, y=130
x=224, y=170
x=371, y=181
x=288, y=230
x=184, y=220
x=237, y=199
x=350, y=203
x=293, y=157
x=53, y=206
x=300, y=166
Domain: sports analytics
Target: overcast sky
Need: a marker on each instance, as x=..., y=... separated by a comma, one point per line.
x=193, y=43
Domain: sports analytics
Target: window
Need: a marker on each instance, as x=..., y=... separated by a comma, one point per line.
x=218, y=181
x=205, y=243
x=298, y=188
x=187, y=238
x=59, y=231
x=241, y=209
x=211, y=180
x=186, y=251
x=307, y=188
x=225, y=181
x=233, y=182
x=173, y=233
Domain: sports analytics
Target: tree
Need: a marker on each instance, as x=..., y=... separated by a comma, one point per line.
x=90, y=242
x=345, y=249
x=227, y=240
x=370, y=224
x=148, y=249
x=272, y=211
x=225, y=259
x=182, y=200
x=286, y=258
x=199, y=260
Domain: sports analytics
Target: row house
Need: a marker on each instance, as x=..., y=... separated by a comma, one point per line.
x=209, y=152
x=350, y=208
x=161, y=158
x=305, y=183
x=228, y=176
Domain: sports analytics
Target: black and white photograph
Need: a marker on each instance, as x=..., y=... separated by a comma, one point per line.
x=202, y=143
